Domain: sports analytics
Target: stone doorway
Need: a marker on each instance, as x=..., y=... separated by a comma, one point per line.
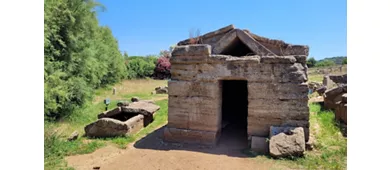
x=234, y=113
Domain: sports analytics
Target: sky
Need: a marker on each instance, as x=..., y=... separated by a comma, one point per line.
x=145, y=27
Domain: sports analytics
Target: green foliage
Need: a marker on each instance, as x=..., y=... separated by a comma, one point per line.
x=80, y=55
x=311, y=62
x=344, y=61
x=140, y=67
x=338, y=59
x=325, y=63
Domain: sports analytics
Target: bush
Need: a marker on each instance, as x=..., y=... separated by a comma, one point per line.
x=163, y=66
x=311, y=62
x=140, y=67
x=79, y=56
x=344, y=61
x=325, y=63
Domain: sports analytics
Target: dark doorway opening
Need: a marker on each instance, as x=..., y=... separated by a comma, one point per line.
x=234, y=113
x=237, y=48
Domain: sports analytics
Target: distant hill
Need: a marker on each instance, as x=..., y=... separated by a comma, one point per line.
x=338, y=59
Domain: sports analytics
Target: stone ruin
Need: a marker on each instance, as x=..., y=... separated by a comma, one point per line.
x=235, y=78
x=335, y=98
x=127, y=118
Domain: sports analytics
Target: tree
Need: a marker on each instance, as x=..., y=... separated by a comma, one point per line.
x=311, y=62
x=344, y=61
x=79, y=56
x=325, y=63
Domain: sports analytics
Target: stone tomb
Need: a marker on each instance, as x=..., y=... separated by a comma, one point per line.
x=128, y=118
x=238, y=80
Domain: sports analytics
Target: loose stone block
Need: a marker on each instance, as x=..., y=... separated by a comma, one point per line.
x=191, y=50
x=260, y=145
x=286, y=141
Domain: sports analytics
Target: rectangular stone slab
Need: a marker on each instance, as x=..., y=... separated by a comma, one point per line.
x=141, y=107
x=190, y=136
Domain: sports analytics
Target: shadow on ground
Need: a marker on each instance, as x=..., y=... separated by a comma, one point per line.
x=230, y=144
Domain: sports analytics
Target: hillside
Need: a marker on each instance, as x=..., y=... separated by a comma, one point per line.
x=338, y=60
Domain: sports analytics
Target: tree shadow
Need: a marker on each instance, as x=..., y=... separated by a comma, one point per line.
x=155, y=141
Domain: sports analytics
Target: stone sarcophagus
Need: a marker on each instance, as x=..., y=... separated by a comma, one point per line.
x=235, y=77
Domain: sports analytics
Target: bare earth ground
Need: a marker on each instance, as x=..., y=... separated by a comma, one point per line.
x=151, y=152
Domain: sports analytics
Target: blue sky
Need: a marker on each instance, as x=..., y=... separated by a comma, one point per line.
x=145, y=27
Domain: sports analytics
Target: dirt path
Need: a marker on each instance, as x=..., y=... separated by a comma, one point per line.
x=152, y=153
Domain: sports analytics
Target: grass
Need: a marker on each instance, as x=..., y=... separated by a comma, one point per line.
x=316, y=77
x=56, y=145
x=330, y=147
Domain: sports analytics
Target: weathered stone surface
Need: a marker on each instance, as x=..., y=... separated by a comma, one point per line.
x=301, y=58
x=341, y=112
x=261, y=126
x=278, y=59
x=339, y=79
x=106, y=127
x=190, y=50
x=205, y=122
x=314, y=85
x=327, y=82
x=251, y=43
x=190, y=136
x=149, y=101
x=141, y=107
x=224, y=42
x=178, y=117
x=277, y=91
x=293, y=73
x=196, y=89
x=136, y=123
x=286, y=141
x=211, y=37
x=260, y=145
x=321, y=90
x=73, y=136
x=163, y=90
x=310, y=144
x=344, y=98
x=192, y=102
x=332, y=96
x=279, y=105
x=122, y=103
x=110, y=113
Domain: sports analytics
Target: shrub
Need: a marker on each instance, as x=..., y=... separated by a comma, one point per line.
x=140, y=67
x=311, y=62
x=162, y=69
x=325, y=63
x=344, y=61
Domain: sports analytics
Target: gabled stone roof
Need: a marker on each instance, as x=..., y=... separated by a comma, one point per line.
x=222, y=39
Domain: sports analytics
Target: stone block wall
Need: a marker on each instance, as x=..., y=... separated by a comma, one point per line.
x=277, y=93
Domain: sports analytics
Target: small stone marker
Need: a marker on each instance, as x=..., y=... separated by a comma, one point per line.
x=73, y=136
